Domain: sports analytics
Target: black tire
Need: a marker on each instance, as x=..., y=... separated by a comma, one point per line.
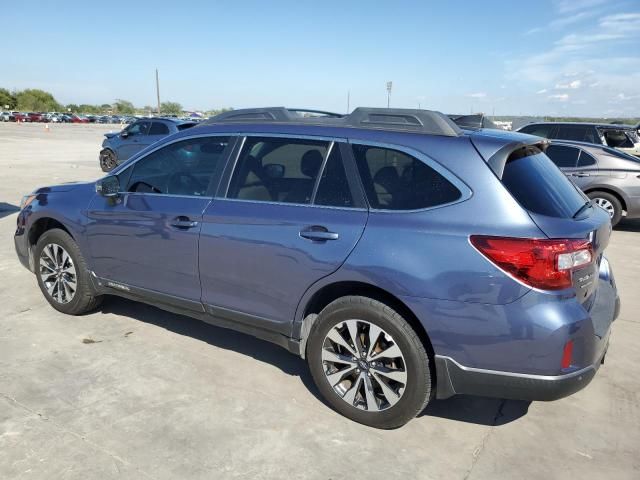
x=85, y=298
x=613, y=200
x=108, y=160
x=417, y=392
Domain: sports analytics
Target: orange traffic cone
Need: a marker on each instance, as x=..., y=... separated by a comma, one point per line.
x=46, y=127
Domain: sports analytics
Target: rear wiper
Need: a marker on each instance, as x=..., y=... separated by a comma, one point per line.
x=586, y=205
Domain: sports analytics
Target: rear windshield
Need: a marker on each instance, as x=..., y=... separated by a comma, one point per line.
x=539, y=186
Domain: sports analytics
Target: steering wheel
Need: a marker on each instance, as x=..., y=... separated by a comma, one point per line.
x=147, y=187
x=184, y=183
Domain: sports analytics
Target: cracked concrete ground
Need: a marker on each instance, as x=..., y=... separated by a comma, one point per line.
x=137, y=393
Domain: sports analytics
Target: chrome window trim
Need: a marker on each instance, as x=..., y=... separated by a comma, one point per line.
x=271, y=202
x=465, y=191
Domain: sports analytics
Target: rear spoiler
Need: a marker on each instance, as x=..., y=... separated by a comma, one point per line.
x=496, y=150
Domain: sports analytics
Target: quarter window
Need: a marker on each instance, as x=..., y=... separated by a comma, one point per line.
x=394, y=180
x=586, y=159
x=277, y=170
x=181, y=168
x=563, y=156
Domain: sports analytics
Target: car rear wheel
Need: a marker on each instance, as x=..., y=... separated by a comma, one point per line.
x=62, y=274
x=368, y=363
x=609, y=203
x=107, y=160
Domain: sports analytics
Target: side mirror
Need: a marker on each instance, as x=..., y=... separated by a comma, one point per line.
x=124, y=134
x=108, y=186
x=274, y=171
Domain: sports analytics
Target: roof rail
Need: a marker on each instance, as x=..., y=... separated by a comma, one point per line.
x=396, y=119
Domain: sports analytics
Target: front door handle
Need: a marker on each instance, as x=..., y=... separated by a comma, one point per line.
x=581, y=174
x=183, y=223
x=318, y=234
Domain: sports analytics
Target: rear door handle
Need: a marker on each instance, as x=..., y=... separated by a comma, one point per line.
x=581, y=174
x=183, y=223
x=319, y=234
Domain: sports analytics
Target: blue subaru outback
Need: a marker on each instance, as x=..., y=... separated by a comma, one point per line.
x=403, y=258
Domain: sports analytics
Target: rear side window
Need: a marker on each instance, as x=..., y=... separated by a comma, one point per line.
x=577, y=133
x=158, y=128
x=562, y=156
x=277, y=170
x=538, y=130
x=333, y=189
x=394, y=180
x=537, y=184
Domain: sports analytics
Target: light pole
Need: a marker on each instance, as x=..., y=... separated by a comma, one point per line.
x=389, y=85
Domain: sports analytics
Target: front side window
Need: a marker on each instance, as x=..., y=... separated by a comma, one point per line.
x=563, y=156
x=394, y=180
x=277, y=170
x=181, y=168
x=138, y=128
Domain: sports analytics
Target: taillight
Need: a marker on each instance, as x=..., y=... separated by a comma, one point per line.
x=567, y=353
x=543, y=264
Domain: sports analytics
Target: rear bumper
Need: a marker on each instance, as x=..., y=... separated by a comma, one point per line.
x=454, y=378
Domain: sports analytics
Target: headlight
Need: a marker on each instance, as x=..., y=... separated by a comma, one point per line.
x=26, y=201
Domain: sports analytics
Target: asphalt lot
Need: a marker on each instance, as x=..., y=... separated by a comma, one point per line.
x=133, y=392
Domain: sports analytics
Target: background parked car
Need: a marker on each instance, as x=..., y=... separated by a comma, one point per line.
x=609, y=177
x=7, y=117
x=623, y=137
x=21, y=117
x=118, y=147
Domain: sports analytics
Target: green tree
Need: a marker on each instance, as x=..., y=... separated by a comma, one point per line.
x=105, y=107
x=7, y=98
x=123, y=106
x=86, y=108
x=172, y=108
x=36, y=100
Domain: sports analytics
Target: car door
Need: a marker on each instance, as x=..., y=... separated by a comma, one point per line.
x=289, y=215
x=133, y=139
x=147, y=239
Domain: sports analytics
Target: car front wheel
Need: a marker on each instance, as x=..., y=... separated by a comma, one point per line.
x=62, y=274
x=108, y=160
x=369, y=363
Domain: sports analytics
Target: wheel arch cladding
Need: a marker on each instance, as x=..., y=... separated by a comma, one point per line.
x=329, y=293
x=42, y=225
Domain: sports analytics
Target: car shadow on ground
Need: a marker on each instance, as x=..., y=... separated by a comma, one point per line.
x=629, y=226
x=7, y=209
x=469, y=409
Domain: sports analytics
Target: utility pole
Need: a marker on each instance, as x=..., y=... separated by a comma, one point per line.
x=158, y=90
x=389, y=85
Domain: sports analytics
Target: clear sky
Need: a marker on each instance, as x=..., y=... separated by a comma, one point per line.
x=577, y=57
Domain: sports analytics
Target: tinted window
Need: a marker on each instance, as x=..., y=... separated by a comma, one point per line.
x=182, y=168
x=537, y=184
x=562, y=156
x=277, y=170
x=577, y=133
x=333, y=189
x=184, y=126
x=158, y=128
x=396, y=181
x=617, y=139
x=586, y=159
x=539, y=130
x=138, y=128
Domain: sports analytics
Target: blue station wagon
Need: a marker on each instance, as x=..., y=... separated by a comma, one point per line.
x=404, y=258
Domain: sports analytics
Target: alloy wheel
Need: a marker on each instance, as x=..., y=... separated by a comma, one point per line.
x=606, y=205
x=108, y=161
x=58, y=273
x=364, y=365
